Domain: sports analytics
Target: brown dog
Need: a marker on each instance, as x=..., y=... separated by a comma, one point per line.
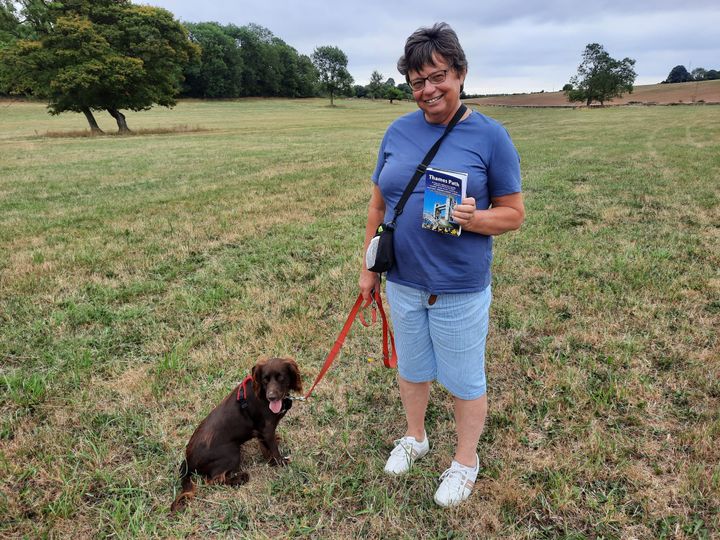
x=249, y=411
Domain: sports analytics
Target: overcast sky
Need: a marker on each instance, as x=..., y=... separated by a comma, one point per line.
x=511, y=45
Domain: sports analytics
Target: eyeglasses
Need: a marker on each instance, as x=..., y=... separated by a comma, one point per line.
x=434, y=78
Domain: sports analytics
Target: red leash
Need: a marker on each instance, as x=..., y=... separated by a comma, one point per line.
x=388, y=360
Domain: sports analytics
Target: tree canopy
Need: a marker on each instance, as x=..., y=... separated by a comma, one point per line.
x=244, y=61
x=217, y=72
x=331, y=64
x=100, y=55
x=679, y=74
x=600, y=77
x=375, y=86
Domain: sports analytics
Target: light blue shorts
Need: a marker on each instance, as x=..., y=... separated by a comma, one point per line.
x=444, y=341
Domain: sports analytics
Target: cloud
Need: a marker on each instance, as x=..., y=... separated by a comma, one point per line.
x=512, y=45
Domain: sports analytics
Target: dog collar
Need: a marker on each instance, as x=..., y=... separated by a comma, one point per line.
x=242, y=391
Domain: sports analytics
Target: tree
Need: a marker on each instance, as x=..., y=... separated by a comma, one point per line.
x=567, y=87
x=9, y=23
x=600, y=77
x=298, y=76
x=100, y=55
x=23, y=19
x=702, y=74
x=257, y=62
x=262, y=75
x=406, y=90
x=392, y=93
x=331, y=64
x=360, y=91
x=374, y=87
x=217, y=72
x=678, y=74
x=698, y=74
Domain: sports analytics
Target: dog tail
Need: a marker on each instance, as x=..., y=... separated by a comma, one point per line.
x=188, y=489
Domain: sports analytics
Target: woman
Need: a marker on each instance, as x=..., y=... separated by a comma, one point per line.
x=439, y=287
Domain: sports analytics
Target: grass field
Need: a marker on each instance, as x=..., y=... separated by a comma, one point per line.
x=141, y=277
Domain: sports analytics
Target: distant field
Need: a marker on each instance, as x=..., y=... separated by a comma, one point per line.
x=142, y=276
x=653, y=94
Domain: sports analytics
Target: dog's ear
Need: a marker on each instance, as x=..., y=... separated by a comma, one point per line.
x=294, y=374
x=257, y=373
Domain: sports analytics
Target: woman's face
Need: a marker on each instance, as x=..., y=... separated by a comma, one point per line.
x=438, y=101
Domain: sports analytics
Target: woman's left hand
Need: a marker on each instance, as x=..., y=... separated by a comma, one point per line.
x=465, y=212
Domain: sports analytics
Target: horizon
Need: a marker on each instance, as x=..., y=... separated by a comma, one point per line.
x=511, y=47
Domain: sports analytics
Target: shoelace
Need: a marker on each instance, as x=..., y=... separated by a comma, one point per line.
x=462, y=476
x=403, y=447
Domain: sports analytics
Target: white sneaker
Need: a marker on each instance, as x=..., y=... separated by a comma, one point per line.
x=456, y=484
x=406, y=451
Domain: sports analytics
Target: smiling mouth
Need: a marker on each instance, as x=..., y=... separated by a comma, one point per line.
x=433, y=100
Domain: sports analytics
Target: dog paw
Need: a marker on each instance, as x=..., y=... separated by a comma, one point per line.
x=280, y=461
x=238, y=479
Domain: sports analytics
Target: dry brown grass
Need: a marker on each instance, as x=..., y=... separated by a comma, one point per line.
x=131, y=133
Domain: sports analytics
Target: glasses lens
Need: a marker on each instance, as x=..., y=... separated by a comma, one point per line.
x=437, y=78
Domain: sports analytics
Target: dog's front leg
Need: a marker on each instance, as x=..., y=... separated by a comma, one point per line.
x=270, y=450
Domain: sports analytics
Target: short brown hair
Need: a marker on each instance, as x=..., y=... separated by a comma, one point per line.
x=440, y=39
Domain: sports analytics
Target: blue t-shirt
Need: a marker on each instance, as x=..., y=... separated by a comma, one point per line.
x=480, y=146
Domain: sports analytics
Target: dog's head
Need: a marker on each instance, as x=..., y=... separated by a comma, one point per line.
x=273, y=379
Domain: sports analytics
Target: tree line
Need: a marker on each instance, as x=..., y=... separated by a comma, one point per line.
x=244, y=61
x=680, y=74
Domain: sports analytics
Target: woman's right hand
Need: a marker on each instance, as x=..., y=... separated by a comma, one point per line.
x=368, y=282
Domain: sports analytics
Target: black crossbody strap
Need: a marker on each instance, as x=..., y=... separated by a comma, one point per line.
x=425, y=162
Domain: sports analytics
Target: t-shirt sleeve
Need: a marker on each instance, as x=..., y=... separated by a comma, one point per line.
x=380, y=160
x=504, y=168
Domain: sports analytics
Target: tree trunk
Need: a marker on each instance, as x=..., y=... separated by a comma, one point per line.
x=331, y=99
x=120, y=119
x=94, y=128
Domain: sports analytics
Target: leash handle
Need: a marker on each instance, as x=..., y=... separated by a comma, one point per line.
x=373, y=311
x=388, y=360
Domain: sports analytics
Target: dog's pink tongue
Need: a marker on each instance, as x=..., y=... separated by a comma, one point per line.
x=275, y=405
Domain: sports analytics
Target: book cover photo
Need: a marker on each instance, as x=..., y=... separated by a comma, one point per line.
x=444, y=190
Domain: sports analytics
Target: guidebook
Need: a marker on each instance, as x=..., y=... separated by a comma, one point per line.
x=444, y=190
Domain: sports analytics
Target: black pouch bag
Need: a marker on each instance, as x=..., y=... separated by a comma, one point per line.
x=380, y=254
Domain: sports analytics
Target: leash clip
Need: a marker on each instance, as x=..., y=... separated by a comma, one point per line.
x=296, y=398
